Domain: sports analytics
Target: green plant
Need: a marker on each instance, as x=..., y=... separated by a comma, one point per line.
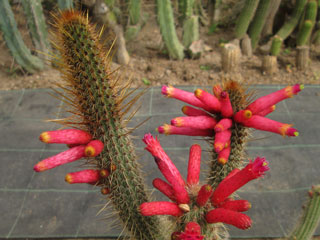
x=13, y=39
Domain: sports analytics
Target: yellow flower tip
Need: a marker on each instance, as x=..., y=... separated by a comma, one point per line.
x=247, y=114
x=301, y=86
x=170, y=90
x=264, y=164
x=249, y=205
x=273, y=107
x=44, y=137
x=178, y=122
x=184, y=109
x=165, y=129
x=198, y=92
x=40, y=167
x=222, y=161
x=284, y=128
x=89, y=151
x=218, y=147
x=68, y=178
x=296, y=134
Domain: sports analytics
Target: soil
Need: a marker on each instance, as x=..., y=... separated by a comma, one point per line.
x=149, y=65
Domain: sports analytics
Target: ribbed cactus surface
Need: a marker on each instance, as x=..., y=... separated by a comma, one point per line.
x=93, y=93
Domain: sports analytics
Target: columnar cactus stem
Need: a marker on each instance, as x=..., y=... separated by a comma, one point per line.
x=245, y=17
x=311, y=217
x=14, y=41
x=95, y=95
x=168, y=31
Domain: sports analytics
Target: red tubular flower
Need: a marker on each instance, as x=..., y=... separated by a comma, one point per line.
x=66, y=136
x=210, y=102
x=223, y=124
x=93, y=148
x=226, y=107
x=188, y=131
x=199, y=122
x=67, y=156
x=273, y=98
x=181, y=95
x=160, y=208
x=220, y=140
x=236, y=205
x=204, y=194
x=227, y=216
x=266, y=111
x=84, y=176
x=223, y=156
x=164, y=187
x=194, y=164
x=242, y=116
x=217, y=91
x=190, y=111
x=266, y=124
x=229, y=185
x=192, y=231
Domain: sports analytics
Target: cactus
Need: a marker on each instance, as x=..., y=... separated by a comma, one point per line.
x=276, y=46
x=245, y=17
x=258, y=22
x=167, y=28
x=134, y=25
x=190, y=30
x=37, y=25
x=304, y=33
x=311, y=217
x=289, y=25
x=65, y=4
x=13, y=39
x=94, y=94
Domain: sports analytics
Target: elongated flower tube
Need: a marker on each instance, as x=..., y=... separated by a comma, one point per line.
x=181, y=95
x=220, y=140
x=234, y=218
x=242, y=115
x=223, y=155
x=210, y=102
x=191, y=111
x=273, y=98
x=66, y=136
x=266, y=124
x=204, y=194
x=93, y=148
x=236, y=205
x=226, y=107
x=223, y=124
x=84, y=176
x=194, y=164
x=173, y=130
x=67, y=156
x=199, y=122
x=266, y=111
x=231, y=184
x=165, y=188
x=160, y=208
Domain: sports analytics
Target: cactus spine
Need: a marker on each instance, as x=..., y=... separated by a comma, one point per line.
x=37, y=25
x=14, y=41
x=168, y=31
x=258, y=22
x=94, y=94
x=311, y=217
x=245, y=17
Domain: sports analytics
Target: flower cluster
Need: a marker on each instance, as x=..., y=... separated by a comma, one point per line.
x=80, y=145
x=189, y=195
x=214, y=116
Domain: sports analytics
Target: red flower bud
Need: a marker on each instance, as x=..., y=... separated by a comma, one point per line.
x=93, y=148
x=223, y=156
x=211, y=102
x=223, y=124
x=194, y=164
x=66, y=136
x=188, y=131
x=220, y=140
x=84, y=176
x=198, y=122
x=190, y=111
x=226, y=107
x=236, y=205
x=160, y=208
x=164, y=187
x=204, y=194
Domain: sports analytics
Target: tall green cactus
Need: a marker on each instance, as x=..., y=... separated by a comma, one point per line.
x=95, y=96
x=37, y=26
x=311, y=217
x=276, y=46
x=135, y=21
x=168, y=31
x=245, y=17
x=304, y=33
x=258, y=22
x=13, y=39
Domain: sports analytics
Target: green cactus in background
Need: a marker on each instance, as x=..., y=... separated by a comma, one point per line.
x=13, y=39
x=65, y=4
x=258, y=21
x=290, y=25
x=310, y=218
x=168, y=31
x=304, y=33
x=276, y=46
x=37, y=26
x=85, y=67
x=135, y=21
x=245, y=17
x=190, y=24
